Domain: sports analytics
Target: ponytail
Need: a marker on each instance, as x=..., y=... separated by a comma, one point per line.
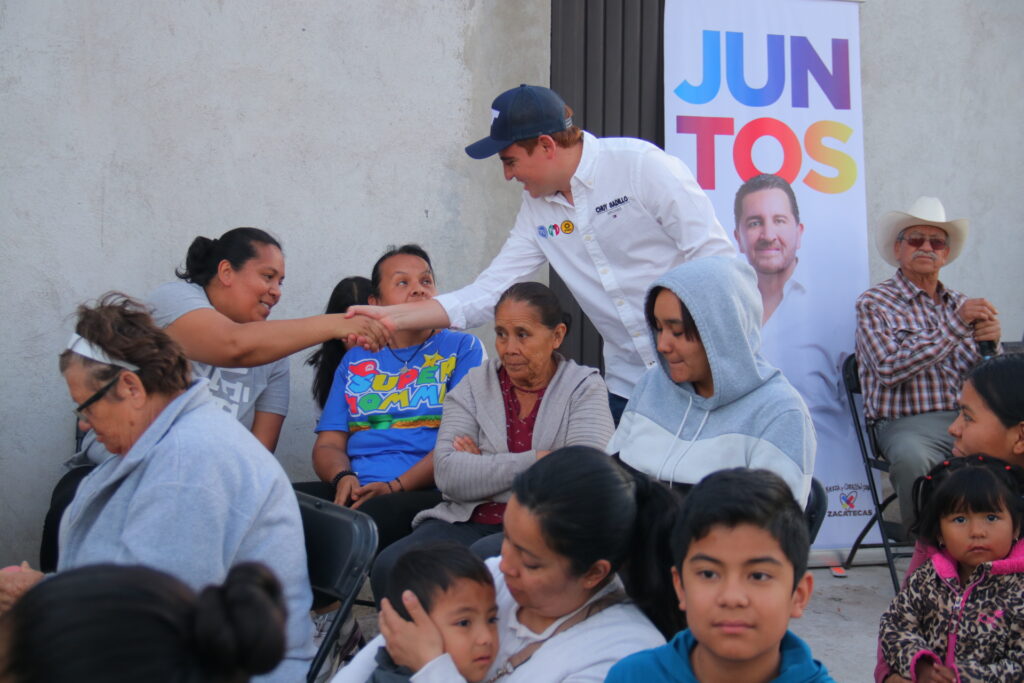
x=239, y=626
x=646, y=570
x=350, y=291
x=235, y=246
x=121, y=624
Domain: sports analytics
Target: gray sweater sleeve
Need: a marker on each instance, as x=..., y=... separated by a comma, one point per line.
x=465, y=476
x=590, y=419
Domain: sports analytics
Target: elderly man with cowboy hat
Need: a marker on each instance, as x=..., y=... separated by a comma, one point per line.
x=916, y=339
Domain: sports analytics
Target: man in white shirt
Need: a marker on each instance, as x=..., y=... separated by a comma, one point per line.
x=610, y=215
x=804, y=334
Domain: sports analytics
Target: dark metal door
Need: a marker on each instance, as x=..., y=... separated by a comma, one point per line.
x=606, y=63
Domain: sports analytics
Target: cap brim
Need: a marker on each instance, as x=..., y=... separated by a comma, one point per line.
x=481, y=149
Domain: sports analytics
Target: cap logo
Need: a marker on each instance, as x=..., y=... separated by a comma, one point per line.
x=494, y=114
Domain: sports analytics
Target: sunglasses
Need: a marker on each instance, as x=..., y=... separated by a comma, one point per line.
x=80, y=409
x=938, y=243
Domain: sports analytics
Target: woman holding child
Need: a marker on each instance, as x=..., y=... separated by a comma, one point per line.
x=502, y=418
x=582, y=580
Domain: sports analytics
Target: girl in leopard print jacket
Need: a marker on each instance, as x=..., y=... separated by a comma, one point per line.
x=961, y=616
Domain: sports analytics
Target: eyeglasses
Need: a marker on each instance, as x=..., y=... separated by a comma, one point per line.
x=80, y=409
x=938, y=243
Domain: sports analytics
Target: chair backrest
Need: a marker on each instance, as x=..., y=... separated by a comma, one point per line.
x=340, y=546
x=817, y=508
x=851, y=378
x=851, y=381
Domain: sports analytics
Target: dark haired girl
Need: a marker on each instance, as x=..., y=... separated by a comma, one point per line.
x=349, y=291
x=961, y=615
x=990, y=421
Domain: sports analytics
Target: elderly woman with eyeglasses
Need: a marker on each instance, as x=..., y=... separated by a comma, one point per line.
x=188, y=490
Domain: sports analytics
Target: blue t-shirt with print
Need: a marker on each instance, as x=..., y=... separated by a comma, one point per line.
x=390, y=401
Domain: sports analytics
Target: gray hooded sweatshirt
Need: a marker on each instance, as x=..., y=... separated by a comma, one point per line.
x=755, y=418
x=196, y=494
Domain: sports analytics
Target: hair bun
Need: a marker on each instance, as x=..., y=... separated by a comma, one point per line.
x=200, y=261
x=240, y=625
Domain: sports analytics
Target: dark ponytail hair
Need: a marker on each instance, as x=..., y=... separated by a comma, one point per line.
x=240, y=626
x=112, y=623
x=590, y=508
x=542, y=299
x=975, y=483
x=350, y=291
x=235, y=246
x=998, y=380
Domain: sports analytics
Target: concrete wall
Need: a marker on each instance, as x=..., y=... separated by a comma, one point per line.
x=942, y=84
x=131, y=127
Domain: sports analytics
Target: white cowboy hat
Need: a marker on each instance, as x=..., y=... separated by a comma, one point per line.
x=924, y=211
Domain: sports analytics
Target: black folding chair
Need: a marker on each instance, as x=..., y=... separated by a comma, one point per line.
x=893, y=543
x=817, y=508
x=340, y=546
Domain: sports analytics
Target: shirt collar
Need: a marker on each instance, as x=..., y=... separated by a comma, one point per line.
x=586, y=170
x=911, y=291
x=793, y=284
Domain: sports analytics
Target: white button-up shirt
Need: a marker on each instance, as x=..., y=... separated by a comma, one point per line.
x=637, y=213
x=808, y=337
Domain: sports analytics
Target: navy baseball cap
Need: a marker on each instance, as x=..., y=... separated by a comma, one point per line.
x=520, y=114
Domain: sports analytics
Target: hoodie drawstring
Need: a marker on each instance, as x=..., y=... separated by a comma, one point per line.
x=675, y=441
x=689, y=445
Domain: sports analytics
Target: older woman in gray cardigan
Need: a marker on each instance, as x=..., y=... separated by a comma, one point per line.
x=502, y=417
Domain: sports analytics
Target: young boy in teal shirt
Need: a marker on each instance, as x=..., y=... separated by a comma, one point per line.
x=739, y=551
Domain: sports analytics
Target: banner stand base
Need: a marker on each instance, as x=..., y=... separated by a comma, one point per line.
x=821, y=558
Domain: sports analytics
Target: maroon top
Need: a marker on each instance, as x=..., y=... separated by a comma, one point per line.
x=520, y=439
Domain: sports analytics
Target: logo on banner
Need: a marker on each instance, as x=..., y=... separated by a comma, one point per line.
x=847, y=494
x=566, y=228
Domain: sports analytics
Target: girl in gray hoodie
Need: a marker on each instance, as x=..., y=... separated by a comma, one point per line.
x=713, y=402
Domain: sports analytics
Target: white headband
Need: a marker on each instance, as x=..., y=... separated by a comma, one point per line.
x=84, y=347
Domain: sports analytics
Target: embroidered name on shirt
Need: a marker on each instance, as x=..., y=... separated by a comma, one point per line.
x=613, y=204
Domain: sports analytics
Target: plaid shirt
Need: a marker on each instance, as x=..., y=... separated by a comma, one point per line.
x=913, y=353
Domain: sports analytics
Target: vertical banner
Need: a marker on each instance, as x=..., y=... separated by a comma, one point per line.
x=762, y=102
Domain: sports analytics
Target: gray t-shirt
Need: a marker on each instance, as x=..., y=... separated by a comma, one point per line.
x=239, y=391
